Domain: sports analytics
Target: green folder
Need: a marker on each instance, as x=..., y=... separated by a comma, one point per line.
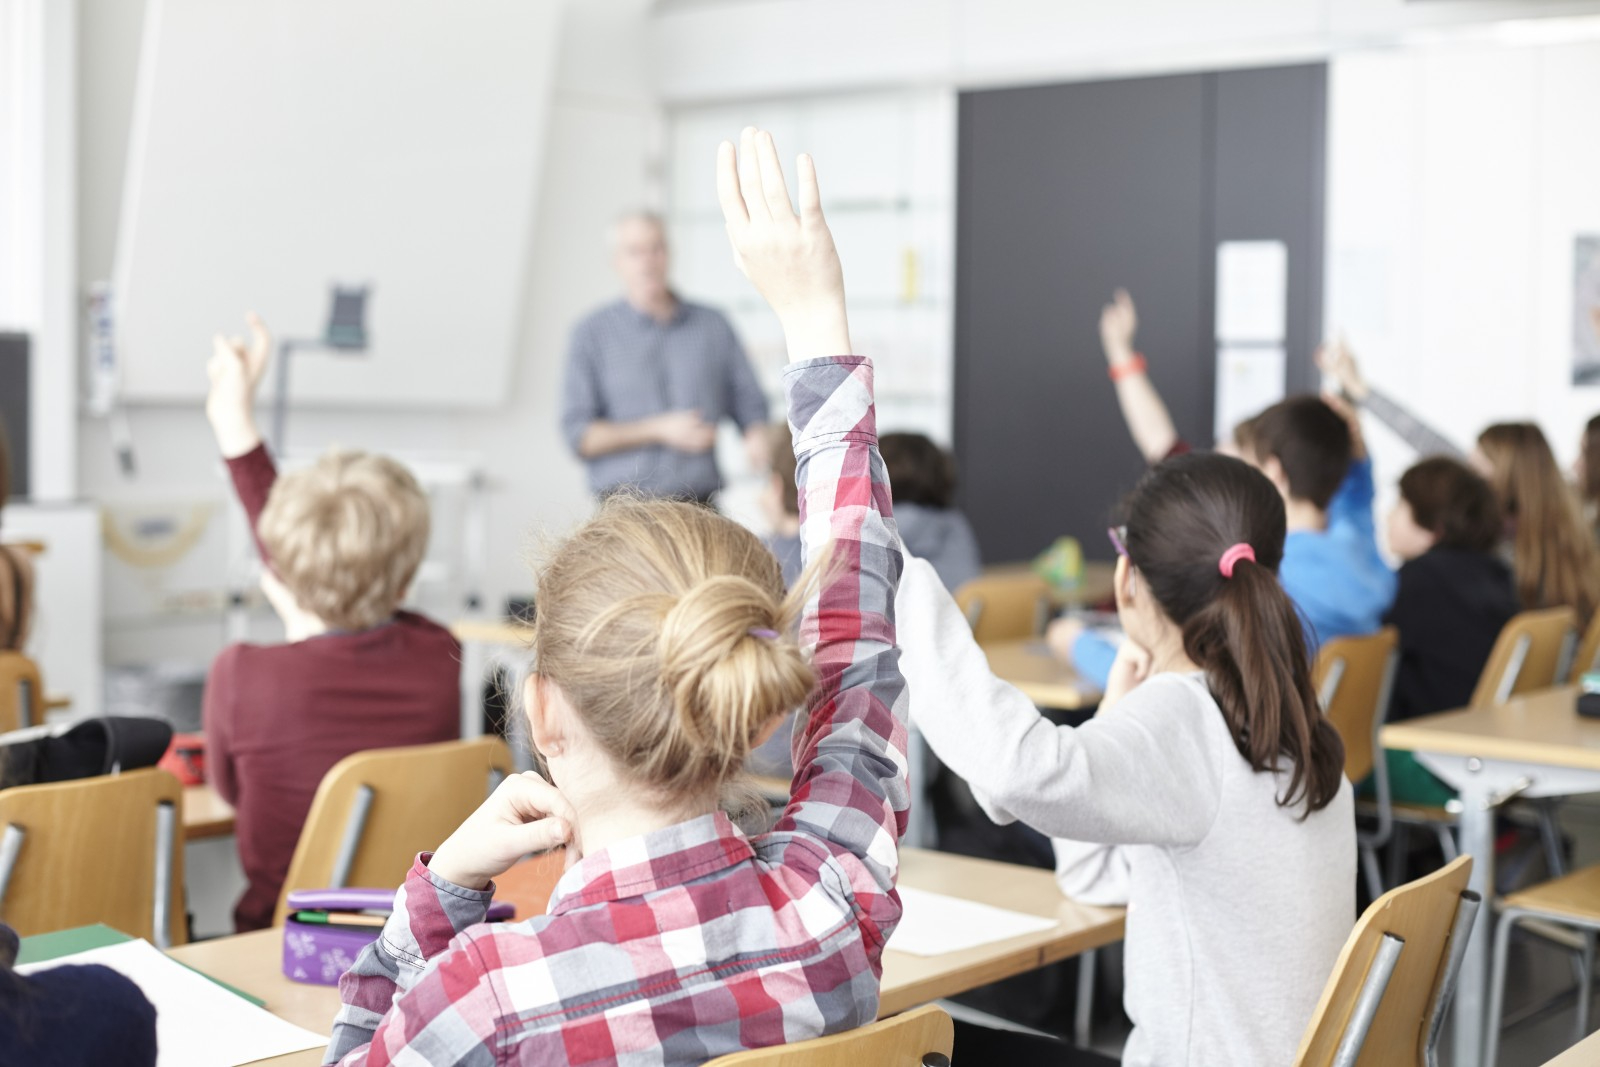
x=53, y=946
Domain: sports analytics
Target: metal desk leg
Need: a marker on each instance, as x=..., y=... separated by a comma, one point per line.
x=1477, y=841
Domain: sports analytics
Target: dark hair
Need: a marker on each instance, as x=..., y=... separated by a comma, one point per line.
x=1591, y=461
x=1450, y=500
x=920, y=472
x=1310, y=440
x=1243, y=631
x=783, y=467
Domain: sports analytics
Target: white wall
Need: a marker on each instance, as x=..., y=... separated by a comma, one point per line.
x=601, y=158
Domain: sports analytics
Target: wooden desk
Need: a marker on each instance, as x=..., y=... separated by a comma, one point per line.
x=205, y=814
x=491, y=632
x=253, y=962
x=1097, y=588
x=1533, y=746
x=1585, y=1053
x=484, y=642
x=1045, y=680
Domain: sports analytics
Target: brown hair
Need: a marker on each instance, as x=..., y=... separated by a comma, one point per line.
x=347, y=535
x=1450, y=500
x=1243, y=631
x=1553, y=551
x=920, y=472
x=656, y=621
x=783, y=467
x=1310, y=441
x=1590, y=489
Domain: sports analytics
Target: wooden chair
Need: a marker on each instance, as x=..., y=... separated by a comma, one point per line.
x=1393, y=981
x=1354, y=678
x=1571, y=902
x=96, y=850
x=909, y=1040
x=21, y=692
x=1009, y=607
x=374, y=811
x=1588, y=651
x=1532, y=652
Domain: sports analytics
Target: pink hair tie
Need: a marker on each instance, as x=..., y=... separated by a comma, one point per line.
x=1240, y=551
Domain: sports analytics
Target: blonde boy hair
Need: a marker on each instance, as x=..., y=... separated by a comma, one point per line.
x=346, y=536
x=668, y=629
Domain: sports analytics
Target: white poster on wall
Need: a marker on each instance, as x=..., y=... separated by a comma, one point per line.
x=1248, y=380
x=1252, y=292
x=1586, y=310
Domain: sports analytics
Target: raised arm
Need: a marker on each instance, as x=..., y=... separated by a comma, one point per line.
x=1336, y=360
x=1142, y=408
x=850, y=787
x=236, y=369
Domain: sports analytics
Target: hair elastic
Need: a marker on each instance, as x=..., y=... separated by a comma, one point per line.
x=764, y=634
x=1240, y=551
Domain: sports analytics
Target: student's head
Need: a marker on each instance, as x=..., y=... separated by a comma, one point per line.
x=782, y=498
x=346, y=536
x=1553, y=549
x=1186, y=577
x=1241, y=444
x=1444, y=503
x=920, y=472
x=664, y=654
x=639, y=253
x=1303, y=446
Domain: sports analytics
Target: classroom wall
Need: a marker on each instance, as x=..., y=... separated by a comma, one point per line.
x=605, y=132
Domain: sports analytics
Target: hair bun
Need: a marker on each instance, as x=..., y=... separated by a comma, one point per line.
x=726, y=667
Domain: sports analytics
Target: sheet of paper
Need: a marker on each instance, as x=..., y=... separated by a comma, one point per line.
x=1252, y=292
x=1248, y=381
x=934, y=924
x=198, y=1023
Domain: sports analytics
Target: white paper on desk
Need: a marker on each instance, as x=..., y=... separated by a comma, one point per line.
x=933, y=924
x=198, y=1023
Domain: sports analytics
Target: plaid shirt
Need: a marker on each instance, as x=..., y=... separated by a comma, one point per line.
x=695, y=941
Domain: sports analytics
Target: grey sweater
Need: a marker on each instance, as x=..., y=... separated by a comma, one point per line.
x=1237, y=908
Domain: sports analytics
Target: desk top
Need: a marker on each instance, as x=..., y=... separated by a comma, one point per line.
x=1542, y=727
x=253, y=962
x=1099, y=583
x=1045, y=680
x=491, y=632
x=205, y=814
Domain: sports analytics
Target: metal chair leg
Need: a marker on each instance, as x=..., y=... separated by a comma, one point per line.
x=1083, y=1016
x=1447, y=843
x=1368, y=1001
x=1369, y=869
x=1398, y=843
x=1586, y=985
x=1497, y=982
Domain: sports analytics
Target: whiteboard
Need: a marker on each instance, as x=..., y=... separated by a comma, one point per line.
x=279, y=148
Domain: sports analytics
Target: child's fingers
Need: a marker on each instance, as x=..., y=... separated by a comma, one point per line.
x=532, y=798
x=773, y=186
x=260, y=337
x=546, y=834
x=750, y=176
x=734, y=212
x=810, y=195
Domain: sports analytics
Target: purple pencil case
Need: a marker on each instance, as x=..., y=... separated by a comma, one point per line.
x=319, y=951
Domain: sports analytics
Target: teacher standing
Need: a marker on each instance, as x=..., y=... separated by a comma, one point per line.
x=649, y=378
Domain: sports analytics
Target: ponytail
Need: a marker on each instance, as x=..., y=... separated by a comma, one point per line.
x=1207, y=534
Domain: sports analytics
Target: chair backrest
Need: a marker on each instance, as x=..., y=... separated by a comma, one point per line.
x=1530, y=654
x=1405, y=948
x=1353, y=678
x=899, y=1041
x=1007, y=607
x=21, y=692
x=1588, y=651
x=374, y=811
x=107, y=850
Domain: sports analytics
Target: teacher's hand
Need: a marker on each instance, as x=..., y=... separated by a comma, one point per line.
x=685, y=431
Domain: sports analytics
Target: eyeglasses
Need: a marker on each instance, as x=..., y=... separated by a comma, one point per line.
x=1119, y=539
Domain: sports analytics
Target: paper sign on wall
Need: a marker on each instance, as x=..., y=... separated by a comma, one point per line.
x=1248, y=381
x=1252, y=292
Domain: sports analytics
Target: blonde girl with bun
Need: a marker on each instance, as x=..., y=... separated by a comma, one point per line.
x=666, y=648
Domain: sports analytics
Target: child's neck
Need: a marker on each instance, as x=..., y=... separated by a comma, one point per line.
x=1305, y=516
x=608, y=816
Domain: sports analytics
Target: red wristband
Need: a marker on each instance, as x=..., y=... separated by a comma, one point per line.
x=1132, y=368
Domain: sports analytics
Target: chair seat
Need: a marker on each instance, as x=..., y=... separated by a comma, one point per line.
x=1574, y=897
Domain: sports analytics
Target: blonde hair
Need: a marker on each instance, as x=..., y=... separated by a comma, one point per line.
x=347, y=536
x=667, y=628
x=1553, y=551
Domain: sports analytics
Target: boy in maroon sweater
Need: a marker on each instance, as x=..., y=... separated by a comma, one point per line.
x=342, y=541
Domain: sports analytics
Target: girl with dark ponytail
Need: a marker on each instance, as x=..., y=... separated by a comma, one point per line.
x=1209, y=791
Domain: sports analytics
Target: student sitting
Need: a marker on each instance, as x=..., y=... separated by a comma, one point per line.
x=16, y=573
x=665, y=649
x=1455, y=594
x=72, y=1016
x=341, y=541
x=923, y=478
x=1208, y=793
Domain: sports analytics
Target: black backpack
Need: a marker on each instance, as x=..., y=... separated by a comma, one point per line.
x=82, y=749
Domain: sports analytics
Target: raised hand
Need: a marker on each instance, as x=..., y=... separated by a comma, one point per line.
x=236, y=369
x=789, y=258
x=1352, y=419
x=525, y=814
x=1337, y=361
x=1119, y=321
x=685, y=431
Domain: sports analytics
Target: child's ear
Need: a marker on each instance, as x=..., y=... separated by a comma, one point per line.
x=1273, y=469
x=1126, y=583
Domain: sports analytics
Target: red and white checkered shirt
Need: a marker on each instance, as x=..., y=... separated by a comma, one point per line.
x=696, y=941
